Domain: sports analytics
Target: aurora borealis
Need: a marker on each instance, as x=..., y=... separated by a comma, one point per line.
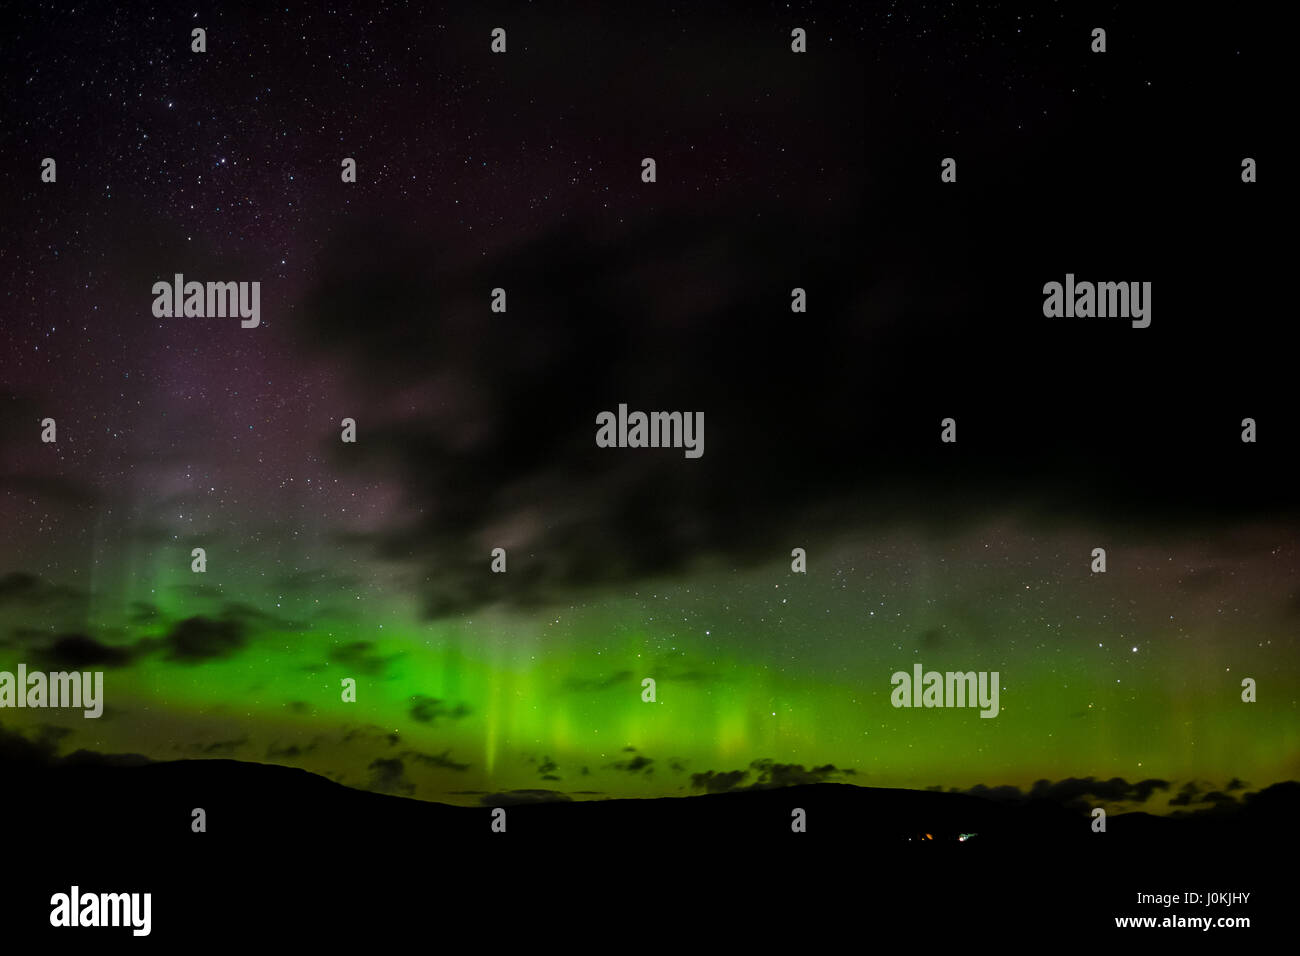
x=750, y=665
x=476, y=430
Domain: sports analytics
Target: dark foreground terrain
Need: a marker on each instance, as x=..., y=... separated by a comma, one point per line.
x=294, y=857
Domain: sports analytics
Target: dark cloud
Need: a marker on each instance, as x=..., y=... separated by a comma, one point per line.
x=1073, y=791
x=581, y=685
x=772, y=774
x=638, y=764
x=370, y=732
x=51, y=734
x=143, y=612
x=68, y=651
x=670, y=317
x=191, y=641
x=361, y=657
x=197, y=639
x=20, y=589
x=79, y=652
x=292, y=751
x=518, y=400
x=388, y=775
x=768, y=775
x=1196, y=794
x=441, y=761
x=428, y=710
x=712, y=781
x=222, y=748
x=1218, y=799
x=18, y=750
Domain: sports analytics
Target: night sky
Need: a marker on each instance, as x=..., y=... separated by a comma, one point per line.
x=475, y=429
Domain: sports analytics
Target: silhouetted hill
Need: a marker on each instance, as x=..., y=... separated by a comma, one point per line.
x=294, y=848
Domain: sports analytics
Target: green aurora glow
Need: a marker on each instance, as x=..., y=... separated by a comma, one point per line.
x=1131, y=674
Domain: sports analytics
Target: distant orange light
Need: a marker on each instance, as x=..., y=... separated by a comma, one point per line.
x=928, y=837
